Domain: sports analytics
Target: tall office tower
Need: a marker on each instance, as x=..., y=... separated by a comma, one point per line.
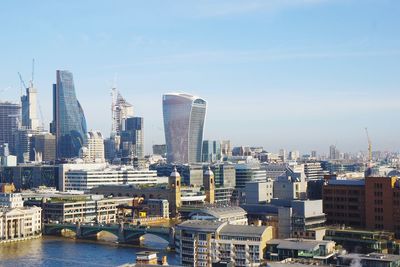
x=333, y=152
x=132, y=138
x=69, y=123
x=43, y=147
x=211, y=151
x=28, y=104
x=226, y=148
x=121, y=110
x=93, y=149
x=184, y=117
x=282, y=154
x=23, y=144
x=10, y=117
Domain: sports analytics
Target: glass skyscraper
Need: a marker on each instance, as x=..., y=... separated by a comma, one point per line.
x=184, y=117
x=69, y=124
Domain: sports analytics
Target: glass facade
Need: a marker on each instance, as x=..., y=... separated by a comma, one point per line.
x=70, y=123
x=184, y=117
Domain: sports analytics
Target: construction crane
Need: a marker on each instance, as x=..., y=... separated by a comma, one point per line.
x=369, y=148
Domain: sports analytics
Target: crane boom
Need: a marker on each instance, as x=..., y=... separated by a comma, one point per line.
x=369, y=148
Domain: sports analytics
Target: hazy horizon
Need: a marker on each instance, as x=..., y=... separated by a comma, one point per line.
x=277, y=74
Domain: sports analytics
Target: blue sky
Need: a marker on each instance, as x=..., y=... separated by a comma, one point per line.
x=297, y=74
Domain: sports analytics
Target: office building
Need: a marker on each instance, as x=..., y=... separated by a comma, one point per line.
x=69, y=123
x=160, y=150
x=23, y=144
x=93, y=149
x=232, y=215
x=10, y=115
x=29, y=111
x=204, y=243
x=344, y=202
x=259, y=192
x=333, y=153
x=191, y=174
x=249, y=172
x=43, y=147
x=26, y=176
x=226, y=148
x=184, y=117
x=211, y=151
x=121, y=110
x=86, y=178
x=132, y=138
x=291, y=184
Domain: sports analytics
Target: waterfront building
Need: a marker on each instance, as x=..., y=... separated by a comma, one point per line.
x=203, y=243
x=18, y=222
x=170, y=191
x=93, y=149
x=184, y=117
x=232, y=215
x=317, y=251
x=10, y=115
x=69, y=123
x=158, y=208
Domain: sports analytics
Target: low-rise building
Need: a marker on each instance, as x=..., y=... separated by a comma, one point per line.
x=280, y=249
x=368, y=260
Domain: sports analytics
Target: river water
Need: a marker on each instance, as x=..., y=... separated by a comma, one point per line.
x=59, y=251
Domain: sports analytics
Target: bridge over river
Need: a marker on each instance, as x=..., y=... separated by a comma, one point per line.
x=126, y=234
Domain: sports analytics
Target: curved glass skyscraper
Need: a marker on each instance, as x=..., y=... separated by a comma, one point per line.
x=184, y=117
x=69, y=123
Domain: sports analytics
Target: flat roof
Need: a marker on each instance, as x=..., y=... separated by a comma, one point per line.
x=200, y=225
x=242, y=230
x=297, y=244
x=372, y=256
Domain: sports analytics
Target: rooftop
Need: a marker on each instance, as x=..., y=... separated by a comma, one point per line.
x=198, y=225
x=243, y=230
x=221, y=212
x=297, y=244
x=372, y=256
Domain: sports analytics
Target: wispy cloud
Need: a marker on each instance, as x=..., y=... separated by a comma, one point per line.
x=253, y=56
x=212, y=8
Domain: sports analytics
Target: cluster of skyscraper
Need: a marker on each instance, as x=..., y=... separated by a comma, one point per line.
x=184, y=117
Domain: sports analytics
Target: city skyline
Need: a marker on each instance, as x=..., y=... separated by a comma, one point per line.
x=266, y=80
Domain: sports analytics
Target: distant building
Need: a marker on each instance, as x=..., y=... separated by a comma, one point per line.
x=226, y=148
x=43, y=147
x=121, y=110
x=132, y=138
x=29, y=110
x=184, y=117
x=10, y=116
x=191, y=174
x=291, y=185
x=259, y=192
x=249, y=172
x=93, y=149
x=211, y=151
x=160, y=150
x=69, y=123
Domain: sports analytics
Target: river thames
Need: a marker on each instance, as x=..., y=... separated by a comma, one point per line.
x=58, y=251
